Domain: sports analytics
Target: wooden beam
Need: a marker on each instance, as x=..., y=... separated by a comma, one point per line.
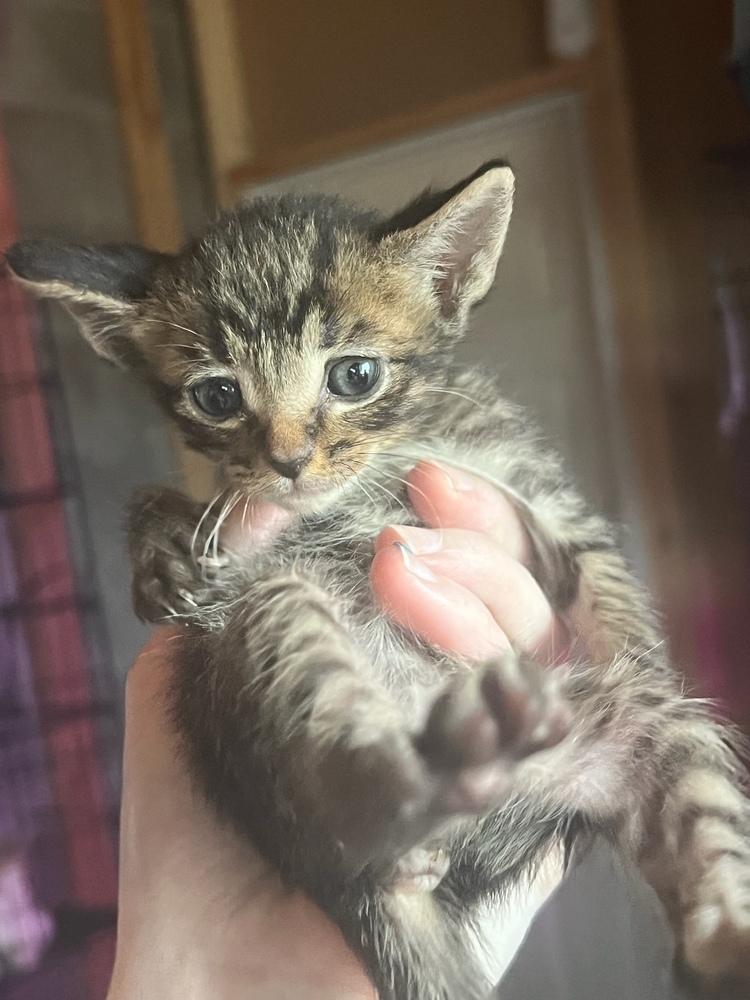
x=559, y=76
x=622, y=214
x=223, y=90
x=138, y=96
x=152, y=183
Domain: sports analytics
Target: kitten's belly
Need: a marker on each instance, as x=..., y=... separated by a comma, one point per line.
x=340, y=559
x=411, y=673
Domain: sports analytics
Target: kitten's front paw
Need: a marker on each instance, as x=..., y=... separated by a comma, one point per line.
x=483, y=725
x=168, y=580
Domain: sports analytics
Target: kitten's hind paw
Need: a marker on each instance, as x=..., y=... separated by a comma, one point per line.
x=716, y=929
x=706, y=828
x=484, y=724
x=382, y=790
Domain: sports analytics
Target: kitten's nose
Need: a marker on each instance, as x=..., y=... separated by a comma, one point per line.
x=290, y=466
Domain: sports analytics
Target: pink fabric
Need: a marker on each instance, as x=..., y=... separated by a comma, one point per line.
x=53, y=632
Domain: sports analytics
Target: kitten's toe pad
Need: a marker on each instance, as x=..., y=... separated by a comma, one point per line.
x=421, y=870
x=716, y=941
x=481, y=726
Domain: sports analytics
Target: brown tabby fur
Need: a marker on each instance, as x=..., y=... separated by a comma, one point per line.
x=333, y=740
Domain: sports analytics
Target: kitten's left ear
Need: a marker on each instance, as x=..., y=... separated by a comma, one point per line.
x=458, y=245
x=100, y=286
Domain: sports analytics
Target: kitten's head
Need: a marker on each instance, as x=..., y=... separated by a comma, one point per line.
x=299, y=336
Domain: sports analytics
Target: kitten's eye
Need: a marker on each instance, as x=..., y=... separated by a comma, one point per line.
x=218, y=397
x=353, y=376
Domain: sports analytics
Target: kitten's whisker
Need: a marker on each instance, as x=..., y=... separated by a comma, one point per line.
x=175, y=326
x=411, y=486
x=209, y=538
x=188, y=347
x=372, y=481
x=213, y=539
x=360, y=479
x=451, y=392
x=366, y=492
x=384, y=489
x=199, y=525
x=426, y=453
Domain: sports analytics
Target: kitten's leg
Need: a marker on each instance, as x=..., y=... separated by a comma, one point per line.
x=678, y=803
x=167, y=532
x=337, y=743
x=316, y=764
x=699, y=863
x=694, y=845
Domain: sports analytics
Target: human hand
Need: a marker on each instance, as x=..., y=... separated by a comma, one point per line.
x=201, y=915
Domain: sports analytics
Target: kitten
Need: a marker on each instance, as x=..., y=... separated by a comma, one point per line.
x=307, y=347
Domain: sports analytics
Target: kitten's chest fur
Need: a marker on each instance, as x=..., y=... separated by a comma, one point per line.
x=337, y=549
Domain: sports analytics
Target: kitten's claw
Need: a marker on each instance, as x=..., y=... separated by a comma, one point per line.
x=213, y=564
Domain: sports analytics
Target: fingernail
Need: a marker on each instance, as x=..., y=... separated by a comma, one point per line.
x=415, y=565
x=421, y=541
x=459, y=481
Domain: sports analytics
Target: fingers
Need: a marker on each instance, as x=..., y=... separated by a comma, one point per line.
x=444, y=497
x=157, y=648
x=464, y=585
x=480, y=565
x=441, y=611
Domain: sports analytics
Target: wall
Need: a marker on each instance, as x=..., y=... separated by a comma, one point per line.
x=684, y=103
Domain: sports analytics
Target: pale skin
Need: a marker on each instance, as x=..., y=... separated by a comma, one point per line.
x=200, y=914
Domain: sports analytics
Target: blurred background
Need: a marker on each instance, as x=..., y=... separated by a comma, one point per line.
x=620, y=315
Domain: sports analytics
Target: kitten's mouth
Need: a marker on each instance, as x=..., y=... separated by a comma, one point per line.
x=302, y=496
x=306, y=495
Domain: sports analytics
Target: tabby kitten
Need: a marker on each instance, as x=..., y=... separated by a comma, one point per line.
x=299, y=343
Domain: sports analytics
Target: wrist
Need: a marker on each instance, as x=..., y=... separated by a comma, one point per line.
x=277, y=946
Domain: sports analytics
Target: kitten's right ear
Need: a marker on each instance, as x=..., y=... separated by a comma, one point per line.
x=455, y=237
x=100, y=286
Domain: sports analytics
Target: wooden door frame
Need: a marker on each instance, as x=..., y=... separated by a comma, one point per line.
x=153, y=190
